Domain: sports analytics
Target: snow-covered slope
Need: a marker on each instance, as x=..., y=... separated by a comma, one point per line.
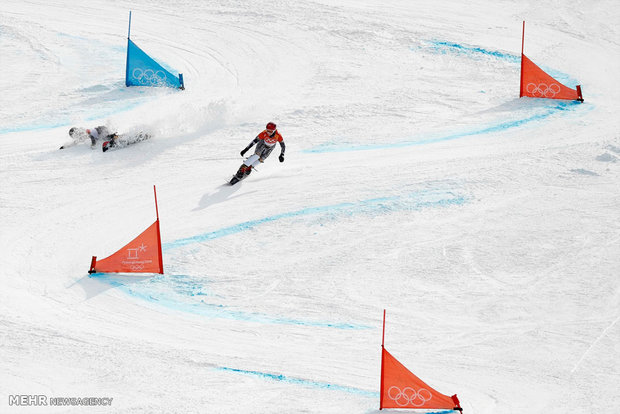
x=415, y=181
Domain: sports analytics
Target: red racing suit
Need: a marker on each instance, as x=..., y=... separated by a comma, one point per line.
x=266, y=143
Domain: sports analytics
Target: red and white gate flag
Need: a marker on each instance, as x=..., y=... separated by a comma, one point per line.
x=536, y=83
x=141, y=255
x=400, y=388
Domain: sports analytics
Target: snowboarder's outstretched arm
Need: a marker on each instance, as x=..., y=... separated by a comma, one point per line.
x=250, y=145
x=282, y=147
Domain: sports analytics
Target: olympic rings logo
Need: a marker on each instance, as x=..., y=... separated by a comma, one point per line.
x=408, y=396
x=136, y=267
x=149, y=76
x=542, y=90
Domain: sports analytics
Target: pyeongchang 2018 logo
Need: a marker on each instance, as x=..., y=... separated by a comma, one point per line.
x=133, y=258
x=542, y=90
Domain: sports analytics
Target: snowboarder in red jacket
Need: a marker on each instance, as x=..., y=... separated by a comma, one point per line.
x=265, y=143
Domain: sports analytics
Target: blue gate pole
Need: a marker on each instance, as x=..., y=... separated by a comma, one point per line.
x=127, y=61
x=129, y=29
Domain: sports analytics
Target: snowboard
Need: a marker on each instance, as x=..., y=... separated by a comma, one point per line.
x=124, y=140
x=239, y=177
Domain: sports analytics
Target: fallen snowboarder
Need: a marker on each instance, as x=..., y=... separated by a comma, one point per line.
x=101, y=133
x=78, y=135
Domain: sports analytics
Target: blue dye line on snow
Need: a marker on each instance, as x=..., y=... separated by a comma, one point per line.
x=116, y=50
x=502, y=126
x=147, y=290
x=33, y=127
x=173, y=292
x=136, y=102
x=304, y=382
x=315, y=384
x=443, y=47
x=66, y=122
x=364, y=206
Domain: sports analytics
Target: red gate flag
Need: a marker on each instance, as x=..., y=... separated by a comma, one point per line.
x=400, y=388
x=141, y=255
x=536, y=83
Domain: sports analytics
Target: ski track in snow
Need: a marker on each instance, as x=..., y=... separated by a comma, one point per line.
x=413, y=201
x=499, y=127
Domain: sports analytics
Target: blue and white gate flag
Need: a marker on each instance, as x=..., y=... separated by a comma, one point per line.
x=142, y=70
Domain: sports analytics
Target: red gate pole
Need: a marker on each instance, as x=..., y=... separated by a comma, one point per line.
x=161, y=258
x=382, y=348
x=522, y=45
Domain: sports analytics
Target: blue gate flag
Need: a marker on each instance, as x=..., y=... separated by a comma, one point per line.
x=142, y=70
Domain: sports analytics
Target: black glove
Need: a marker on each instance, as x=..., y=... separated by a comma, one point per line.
x=243, y=151
x=281, y=158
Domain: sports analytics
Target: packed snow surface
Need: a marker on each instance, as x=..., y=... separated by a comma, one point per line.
x=415, y=181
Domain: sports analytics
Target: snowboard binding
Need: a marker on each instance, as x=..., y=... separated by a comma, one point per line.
x=242, y=173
